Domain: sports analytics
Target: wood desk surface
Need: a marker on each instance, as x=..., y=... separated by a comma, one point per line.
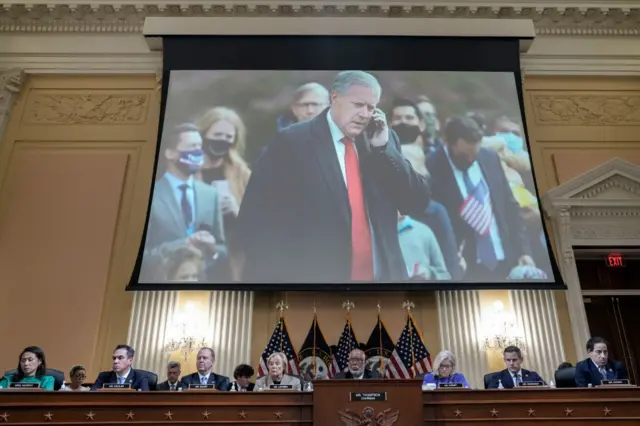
x=610, y=407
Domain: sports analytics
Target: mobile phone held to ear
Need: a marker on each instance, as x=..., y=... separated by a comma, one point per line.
x=374, y=126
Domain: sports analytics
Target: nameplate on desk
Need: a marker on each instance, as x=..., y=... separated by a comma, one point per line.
x=209, y=386
x=537, y=384
x=450, y=385
x=116, y=386
x=614, y=382
x=281, y=387
x=24, y=385
x=368, y=396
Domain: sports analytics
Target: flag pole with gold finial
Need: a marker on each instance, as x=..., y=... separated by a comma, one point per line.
x=382, y=364
x=281, y=306
x=313, y=358
x=408, y=305
x=349, y=305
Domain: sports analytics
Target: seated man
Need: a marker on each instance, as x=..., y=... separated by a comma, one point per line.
x=173, y=378
x=122, y=373
x=204, y=364
x=598, y=367
x=514, y=375
x=242, y=375
x=356, y=368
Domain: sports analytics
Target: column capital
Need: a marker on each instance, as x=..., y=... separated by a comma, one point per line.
x=11, y=82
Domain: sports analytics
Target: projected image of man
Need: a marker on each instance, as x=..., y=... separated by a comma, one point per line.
x=185, y=212
x=322, y=202
x=486, y=218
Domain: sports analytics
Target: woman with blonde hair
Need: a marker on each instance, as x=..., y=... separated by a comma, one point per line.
x=444, y=371
x=277, y=374
x=223, y=141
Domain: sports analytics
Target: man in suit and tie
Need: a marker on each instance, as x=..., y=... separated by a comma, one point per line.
x=597, y=366
x=470, y=182
x=173, y=378
x=204, y=363
x=356, y=368
x=184, y=211
x=514, y=375
x=323, y=199
x=122, y=372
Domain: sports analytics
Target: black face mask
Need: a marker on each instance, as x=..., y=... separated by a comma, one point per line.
x=407, y=133
x=217, y=148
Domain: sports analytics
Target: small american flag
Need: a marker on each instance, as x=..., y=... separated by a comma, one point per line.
x=280, y=342
x=346, y=344
x=476, y=209
x=410, y=356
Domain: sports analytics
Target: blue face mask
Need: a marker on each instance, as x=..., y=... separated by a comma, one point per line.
x=514, y=142
x=191, y=161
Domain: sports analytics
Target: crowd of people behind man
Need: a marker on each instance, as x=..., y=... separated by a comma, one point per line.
x=476, y=218
x=32, y=368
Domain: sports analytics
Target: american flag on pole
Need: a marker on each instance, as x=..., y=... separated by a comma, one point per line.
x=280, y=342
x=410, y=356
x=476, y=208
x=346, y=344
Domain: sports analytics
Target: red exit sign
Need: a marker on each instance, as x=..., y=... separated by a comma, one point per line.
x=614, y=260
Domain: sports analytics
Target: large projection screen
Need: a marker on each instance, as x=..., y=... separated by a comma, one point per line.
x=306, y=163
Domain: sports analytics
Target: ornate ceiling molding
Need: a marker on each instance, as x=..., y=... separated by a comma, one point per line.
x=572, y=18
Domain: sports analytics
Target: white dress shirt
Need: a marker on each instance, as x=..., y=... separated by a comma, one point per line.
x=476, y=175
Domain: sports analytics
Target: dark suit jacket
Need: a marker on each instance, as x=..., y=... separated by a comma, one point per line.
x=368, y=374
x=137, y=380
x=587, y=372
x=164, y=386
x=504, y=206
x=221, y=382
x=167, y=231
x=507, y=379
x=295, y=217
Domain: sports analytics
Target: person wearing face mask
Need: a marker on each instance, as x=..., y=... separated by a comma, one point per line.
x=467, y=172
x=407, y=121
x=184, y=210
x=32, y=367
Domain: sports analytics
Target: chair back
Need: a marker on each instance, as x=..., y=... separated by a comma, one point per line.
x=488, y=378
x=58, y=376
x=152, y=378
x=566, y=377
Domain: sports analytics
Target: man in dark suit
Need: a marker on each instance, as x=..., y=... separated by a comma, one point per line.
x=323, y=200
x=204, y=363
x=514, y=375
x=184, y=211
x=470, y=182
x=597, y=366
x=173, y=378
x=356, y=368
x=122, y=373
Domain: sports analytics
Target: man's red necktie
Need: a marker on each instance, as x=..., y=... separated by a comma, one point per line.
x=361, y=249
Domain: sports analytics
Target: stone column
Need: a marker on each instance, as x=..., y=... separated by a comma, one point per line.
x=567, y=265
x=10, y=84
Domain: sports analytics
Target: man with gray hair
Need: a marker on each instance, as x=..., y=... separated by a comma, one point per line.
x=308, y=101
x=173, y=377
x=322, y=202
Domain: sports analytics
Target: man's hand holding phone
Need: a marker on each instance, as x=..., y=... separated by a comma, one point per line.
x=378, y=130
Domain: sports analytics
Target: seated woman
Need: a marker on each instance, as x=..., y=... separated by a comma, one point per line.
x=78, y=375
x=444, y=368
x=277, y=373
x=32, y=367
x=242, y=375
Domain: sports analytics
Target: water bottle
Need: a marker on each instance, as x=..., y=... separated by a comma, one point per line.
x=64, y=386
x=233, y=388
x=500, y=384
x=590, y=385
x=308, y=387
x=552, y=385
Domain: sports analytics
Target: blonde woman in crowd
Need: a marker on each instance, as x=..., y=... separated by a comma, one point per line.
x=277, y=373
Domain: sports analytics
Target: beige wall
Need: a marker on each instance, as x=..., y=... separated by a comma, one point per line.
x=75, y=170
x=574, y=125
